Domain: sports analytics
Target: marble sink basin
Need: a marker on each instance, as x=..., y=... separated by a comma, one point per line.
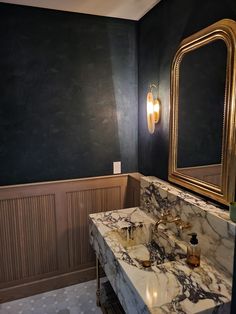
x=148, y=247
x=124, y=239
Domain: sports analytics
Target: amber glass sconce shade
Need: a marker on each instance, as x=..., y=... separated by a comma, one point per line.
x=153, y=109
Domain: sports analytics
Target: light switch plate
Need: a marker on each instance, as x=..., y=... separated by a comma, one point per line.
x=116, y=167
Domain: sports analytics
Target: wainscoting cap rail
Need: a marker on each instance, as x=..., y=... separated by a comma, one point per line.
x=135, y=175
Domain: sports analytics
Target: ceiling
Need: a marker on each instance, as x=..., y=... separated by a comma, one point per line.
x=126, y=9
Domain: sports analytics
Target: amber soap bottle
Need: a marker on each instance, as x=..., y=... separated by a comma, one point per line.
x=193, y=251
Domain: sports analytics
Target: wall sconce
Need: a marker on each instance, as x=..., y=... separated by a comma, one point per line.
x=153, y=109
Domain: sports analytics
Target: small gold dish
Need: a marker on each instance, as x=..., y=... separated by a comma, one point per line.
x=146, y=264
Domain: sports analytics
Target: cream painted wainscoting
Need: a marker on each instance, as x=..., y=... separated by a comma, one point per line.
x=44, y=241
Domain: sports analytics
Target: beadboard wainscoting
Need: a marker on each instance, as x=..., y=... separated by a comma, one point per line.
x=44, y=241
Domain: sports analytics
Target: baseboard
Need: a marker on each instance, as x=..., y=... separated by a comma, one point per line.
x=43, y=285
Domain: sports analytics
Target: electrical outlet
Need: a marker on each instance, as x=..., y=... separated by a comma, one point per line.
x=116, y=167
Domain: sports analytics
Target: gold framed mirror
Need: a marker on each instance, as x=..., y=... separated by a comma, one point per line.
x=202, y=153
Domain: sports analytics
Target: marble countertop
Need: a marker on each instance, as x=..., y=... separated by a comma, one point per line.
x=170, y=287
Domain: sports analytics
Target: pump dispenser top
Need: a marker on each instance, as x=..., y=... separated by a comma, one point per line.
x=193, y=239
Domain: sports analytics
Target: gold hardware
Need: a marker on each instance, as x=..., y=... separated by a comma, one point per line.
x=184, y=226
x=163, y=220
x=153, y=109
x=181, y=225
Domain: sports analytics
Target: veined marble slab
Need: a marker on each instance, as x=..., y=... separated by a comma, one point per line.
x=216, y=232
x=171, y=287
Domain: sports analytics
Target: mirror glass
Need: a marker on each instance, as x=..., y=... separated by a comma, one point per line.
x=202, y=85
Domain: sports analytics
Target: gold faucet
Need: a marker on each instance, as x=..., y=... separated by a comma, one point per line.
x=163, y=220
x=181, y=225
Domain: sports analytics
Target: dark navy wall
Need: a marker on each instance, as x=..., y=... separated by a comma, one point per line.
x=68, y=95
x=160, y=32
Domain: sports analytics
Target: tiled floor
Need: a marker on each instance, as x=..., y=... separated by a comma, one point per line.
x=77, y=299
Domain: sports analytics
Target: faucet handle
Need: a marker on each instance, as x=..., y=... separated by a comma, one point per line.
x=184, y=225
x=164, y=216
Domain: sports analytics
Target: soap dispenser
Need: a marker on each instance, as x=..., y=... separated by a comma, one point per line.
x=193, y=251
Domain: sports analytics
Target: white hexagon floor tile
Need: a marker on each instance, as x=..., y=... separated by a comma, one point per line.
x=76, y=299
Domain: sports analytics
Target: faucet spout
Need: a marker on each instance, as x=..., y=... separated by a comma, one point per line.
x=163, y=220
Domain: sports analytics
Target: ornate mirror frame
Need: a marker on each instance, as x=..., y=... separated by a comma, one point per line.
x=225, y=30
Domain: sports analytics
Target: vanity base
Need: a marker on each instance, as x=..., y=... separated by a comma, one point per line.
x=108, y=300
x=98, y=282
x=105, y=295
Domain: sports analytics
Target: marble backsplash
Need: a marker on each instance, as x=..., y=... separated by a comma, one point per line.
x=216, y=232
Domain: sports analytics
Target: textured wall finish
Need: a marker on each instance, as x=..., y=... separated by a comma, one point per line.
x=44, y=231
x=27, y=237
x=68, y=91
x=79, y=205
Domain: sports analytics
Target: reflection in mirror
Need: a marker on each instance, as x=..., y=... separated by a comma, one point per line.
x=202, y=83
